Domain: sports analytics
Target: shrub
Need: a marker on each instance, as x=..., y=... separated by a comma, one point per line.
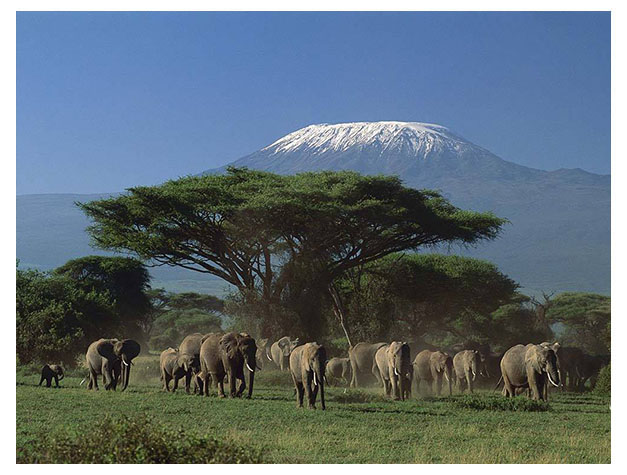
x=518, y=404
x=135, y=440
x=604, y=382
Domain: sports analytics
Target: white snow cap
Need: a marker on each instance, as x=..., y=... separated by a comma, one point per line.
x=386, y=136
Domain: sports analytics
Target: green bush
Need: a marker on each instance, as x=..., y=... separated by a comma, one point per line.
x=518, y=404
x=136, y=440
x=604, y=382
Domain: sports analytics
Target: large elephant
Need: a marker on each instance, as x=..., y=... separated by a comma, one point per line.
x=433, y=367
x=338, y=369
x=112, y=359
x=50, y=372
x=191, y=346
x=307, y=367
x=393, y=363
x=467, y=363
x=280, y=351
x=363, y=364
x=174, y=365
x=528, y=367
x=222, y=355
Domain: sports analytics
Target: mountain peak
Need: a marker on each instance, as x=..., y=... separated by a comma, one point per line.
x=415, y=138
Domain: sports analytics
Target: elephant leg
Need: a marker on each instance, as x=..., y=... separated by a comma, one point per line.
x=242, y=386
x=353, y=383
x=176, y=384
x=205, y=384
x=188, y=380
x=314, y=395
x=93, y=380
x=300, y=393
x=41, y=380
x=232, y=384
x=220, y=385
x=308, y=393
x=535, y=384
x=56, y=380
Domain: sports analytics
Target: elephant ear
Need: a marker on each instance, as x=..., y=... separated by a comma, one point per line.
x=128, y=347
x=228, y=344
x=105, y=349
x=533, y=358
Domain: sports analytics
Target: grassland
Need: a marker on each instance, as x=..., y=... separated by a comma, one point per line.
x=359, y=426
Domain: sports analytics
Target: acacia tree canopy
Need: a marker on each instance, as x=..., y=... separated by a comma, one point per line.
x=586, y=319
x=247, y=226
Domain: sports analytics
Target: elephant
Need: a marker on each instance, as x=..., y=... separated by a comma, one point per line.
x=338, y=369
x=467, y=363
x=263, y=351
x=527, y=367
x=222, y=355
x=570, y=358
x=174, y=365
x=50, y=372
x=112, y=359
x=393, y=363
x=307, y=366
x=432, y=367
x=588, y=369
x=191, y=346
x=362, y=362
x=280, y=351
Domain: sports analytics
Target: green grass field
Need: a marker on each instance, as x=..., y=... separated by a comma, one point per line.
x=359, y=426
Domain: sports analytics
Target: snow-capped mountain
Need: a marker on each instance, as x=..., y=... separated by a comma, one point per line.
x=559, y=236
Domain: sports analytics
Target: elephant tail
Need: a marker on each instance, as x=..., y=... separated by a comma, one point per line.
x=498, y=384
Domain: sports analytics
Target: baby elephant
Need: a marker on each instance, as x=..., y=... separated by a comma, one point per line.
x=175, y=366
x=48, y=372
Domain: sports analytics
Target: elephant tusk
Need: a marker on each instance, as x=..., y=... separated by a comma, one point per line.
x=446, y=376
x=396, y=372
x=550, y=379
x=125, y=363
x=315, y=380
x=81, y=383
x=474, y=375
x=249, y=368
x=268, y=356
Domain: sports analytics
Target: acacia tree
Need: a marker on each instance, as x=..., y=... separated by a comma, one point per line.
x=252, y=228
x=425, y=295
x=586, y=320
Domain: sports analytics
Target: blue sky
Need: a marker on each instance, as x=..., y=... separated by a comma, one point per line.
x=110, y=100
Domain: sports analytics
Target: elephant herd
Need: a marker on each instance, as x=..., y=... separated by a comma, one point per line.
x=212, y=359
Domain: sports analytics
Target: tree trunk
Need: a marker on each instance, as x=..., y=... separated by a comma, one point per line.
x=338, y=309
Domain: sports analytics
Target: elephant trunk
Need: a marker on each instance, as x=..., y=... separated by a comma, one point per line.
x=449, y=377
x=126, y=372
x=251, y=380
